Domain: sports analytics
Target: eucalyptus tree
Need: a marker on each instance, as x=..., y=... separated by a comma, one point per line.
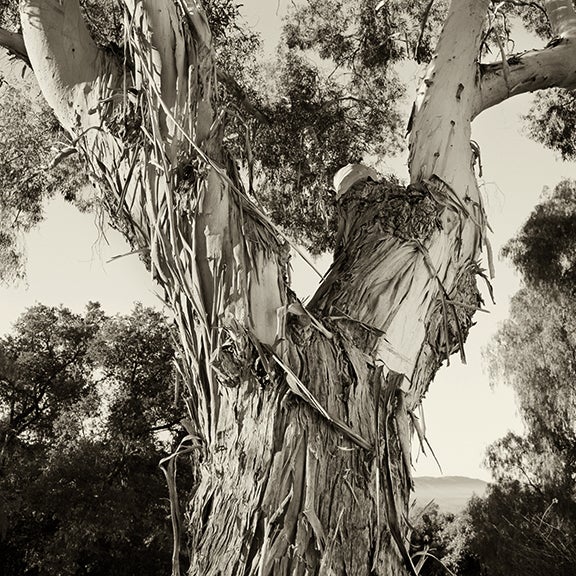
x=300, y=417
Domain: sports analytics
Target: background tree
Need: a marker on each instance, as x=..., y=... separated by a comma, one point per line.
x=300, y=419
x=524, y=525
x=533, y=350
x=441, y=543
x=519, y=530
x=83, y=401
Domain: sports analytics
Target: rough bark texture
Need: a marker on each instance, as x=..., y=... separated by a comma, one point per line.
x=300, y=420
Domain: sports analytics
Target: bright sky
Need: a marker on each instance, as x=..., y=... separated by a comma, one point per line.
x=68, y=263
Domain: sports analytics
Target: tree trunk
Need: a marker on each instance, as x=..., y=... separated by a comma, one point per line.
x=300, y=420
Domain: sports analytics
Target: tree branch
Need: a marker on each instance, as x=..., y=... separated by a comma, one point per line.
x=438, y=138
x=73, y=73
x=562, y=17
x=552, y=67
x=14, y=43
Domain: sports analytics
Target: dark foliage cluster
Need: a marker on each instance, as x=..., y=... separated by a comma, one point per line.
x=521, y=531
x=315, y=128
x=331, y=99
x=82, y=401
x=365, y=33
x=551, y=121
x=9, y=15
x=544, y=250
x=440, y=543
x=104, y=19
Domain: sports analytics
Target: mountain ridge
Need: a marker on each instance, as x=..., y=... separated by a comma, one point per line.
x=451, y=493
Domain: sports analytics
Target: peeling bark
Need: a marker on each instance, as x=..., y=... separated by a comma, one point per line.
x=397, y=301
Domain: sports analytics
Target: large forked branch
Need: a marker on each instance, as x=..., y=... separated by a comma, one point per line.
x=551, y=67
x=157, y=149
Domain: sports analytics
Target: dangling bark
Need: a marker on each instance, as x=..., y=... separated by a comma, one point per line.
x=300, y=420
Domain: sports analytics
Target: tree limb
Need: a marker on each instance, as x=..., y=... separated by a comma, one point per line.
x=562, y=17
x=551, y=67
x=448, y=89
x=14, y=43
x=73, y=73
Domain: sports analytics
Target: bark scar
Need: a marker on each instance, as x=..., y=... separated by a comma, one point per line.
x=459, y=91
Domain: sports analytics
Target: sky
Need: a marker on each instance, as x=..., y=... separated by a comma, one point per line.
x=69, y=263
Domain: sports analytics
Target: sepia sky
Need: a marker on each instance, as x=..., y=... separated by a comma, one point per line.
x=68, y=263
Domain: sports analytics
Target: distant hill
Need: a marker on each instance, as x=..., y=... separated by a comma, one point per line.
x=451, y=493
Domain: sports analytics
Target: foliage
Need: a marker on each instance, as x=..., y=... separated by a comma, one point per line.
x=365, y=34
x=524, y=459
x=104, y=19
x=44, y=371
x=533, y=17
x=330, y=98
x=26, y=178
x=82, y=400
x=135, y=355
x=525, y=525
x=551, y=121
x=505, y=15
x=534, y=348
x=519, y=531
x=544, y=250
x=9, y=17
x=315, y=128
x=534, y=352
x=443, y=539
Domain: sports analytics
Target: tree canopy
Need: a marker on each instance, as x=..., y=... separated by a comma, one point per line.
x=525, y=524
x=331, y=96
x=87, y=411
